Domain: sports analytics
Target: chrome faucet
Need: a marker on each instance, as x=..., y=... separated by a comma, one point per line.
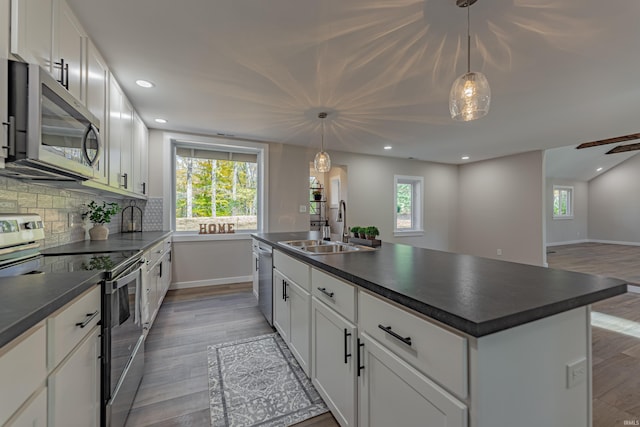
x=342, y=213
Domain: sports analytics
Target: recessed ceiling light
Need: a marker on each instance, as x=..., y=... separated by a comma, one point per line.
x=465, y=157
x=598, y=170
x=144, y=83
x=387, y=147
x=160, y=120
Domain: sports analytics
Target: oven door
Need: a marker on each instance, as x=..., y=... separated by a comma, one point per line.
x=123, y=330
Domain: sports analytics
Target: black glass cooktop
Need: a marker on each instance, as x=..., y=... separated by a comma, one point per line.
x=108, y=261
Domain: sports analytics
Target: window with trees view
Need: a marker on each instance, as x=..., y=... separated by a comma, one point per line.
x=408, y=204
x=215, y=187
x=562, y=202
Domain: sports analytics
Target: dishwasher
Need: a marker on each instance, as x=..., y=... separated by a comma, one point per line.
x=265, y=279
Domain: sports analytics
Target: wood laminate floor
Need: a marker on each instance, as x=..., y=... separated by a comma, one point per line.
x=174, y=390
x=616, y=354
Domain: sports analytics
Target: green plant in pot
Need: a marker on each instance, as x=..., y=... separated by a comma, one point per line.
x=371, y=232
x=317, y=195
x=356, y=231
x=100, y=215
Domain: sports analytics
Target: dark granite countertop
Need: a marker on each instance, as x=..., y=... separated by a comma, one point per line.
x=29, y=299
x=478, y=296
x=115, y=243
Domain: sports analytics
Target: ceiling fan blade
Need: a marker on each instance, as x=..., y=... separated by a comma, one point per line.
x=609, y=141
x=624, y=148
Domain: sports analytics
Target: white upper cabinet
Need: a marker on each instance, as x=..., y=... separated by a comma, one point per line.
x=140, y=149
x=31, y=31
x=5, y=20
x=69, y=41
x=97, y=89
x=46, y=32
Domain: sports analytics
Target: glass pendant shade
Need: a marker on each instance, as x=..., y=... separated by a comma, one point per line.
x=322, y=162
x=470, y=97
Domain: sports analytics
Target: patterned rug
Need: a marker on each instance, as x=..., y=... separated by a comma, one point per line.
x=258, y=382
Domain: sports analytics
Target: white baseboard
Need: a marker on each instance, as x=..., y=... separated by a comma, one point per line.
x=568, y=242
x=633, y=288
x=211, y=282
x=614, y=242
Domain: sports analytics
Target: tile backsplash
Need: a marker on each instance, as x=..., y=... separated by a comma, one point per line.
x=61, y=209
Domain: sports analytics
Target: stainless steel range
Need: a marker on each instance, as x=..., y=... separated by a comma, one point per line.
x=122, y=323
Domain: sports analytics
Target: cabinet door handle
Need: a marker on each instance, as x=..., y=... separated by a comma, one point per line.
x=347, y=355
x=11, y=139
x=160, y=269
x=65, y=74
x=256, y=264
x=327, y=293
x=286, y=297
x=61, y=66
x=387, y=329
x=125, y=177
x=360, y=367
x=144, y=188
x=90, y=317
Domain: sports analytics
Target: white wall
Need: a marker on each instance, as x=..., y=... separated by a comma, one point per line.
x=465, y=208
x=573, y=230
x=371, y=197
x=501, y=207
x=614, y=204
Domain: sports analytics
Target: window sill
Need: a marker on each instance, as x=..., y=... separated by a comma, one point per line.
x=408, y=233
x=563, y=217
x=195, y=237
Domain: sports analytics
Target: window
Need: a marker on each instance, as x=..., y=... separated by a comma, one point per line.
x=562, y=202
x=217, y=184
x=408, y=205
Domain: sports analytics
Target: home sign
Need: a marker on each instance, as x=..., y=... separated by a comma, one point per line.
x=224, y=228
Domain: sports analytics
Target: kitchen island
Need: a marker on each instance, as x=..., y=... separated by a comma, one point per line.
x=448, y=338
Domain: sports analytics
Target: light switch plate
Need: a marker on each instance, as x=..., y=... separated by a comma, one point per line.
x=576, y=372
x=303, y=208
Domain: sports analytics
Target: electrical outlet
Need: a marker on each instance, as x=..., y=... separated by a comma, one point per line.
x=499, y=251
x=576, y=372
x=303, y=208
x=75, y=219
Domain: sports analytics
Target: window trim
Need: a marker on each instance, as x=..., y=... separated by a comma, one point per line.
x=570, y=203
x=224, y=144
x=417, y=209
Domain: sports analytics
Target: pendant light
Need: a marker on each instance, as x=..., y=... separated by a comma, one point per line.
x=470, y=94
x=322, y=162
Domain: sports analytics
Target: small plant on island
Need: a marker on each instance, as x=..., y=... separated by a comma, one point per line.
x=356, y=231
x=371, y=232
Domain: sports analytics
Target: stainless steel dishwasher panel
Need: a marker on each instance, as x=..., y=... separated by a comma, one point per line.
x=265, y=282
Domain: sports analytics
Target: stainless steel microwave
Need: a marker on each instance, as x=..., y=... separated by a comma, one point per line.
x=52, y=136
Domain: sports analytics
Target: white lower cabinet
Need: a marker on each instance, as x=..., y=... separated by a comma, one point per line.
x=34, y=414
x=392, y=393
x=74, y=387
x=334, y=367
x=292, y=317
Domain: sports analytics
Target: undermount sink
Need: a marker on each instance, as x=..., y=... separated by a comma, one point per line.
x=324, y=247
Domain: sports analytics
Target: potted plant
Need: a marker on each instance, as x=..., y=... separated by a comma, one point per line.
x=371, y=232
x=317, y=195
x=100, y=215
x=356, y=231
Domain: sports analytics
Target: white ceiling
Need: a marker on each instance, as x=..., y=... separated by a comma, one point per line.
x=582, y=165
x=562, y=72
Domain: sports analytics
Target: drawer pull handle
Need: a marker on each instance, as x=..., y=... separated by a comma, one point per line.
x=347, y=334
x=327, y=293
x=360, y=367
x=284, y=290
x=388, y=330
x=88, y=320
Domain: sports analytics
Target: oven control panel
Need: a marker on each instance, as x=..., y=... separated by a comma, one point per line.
x=17, y=229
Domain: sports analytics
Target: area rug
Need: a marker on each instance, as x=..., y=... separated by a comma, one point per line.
x=257, y=382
